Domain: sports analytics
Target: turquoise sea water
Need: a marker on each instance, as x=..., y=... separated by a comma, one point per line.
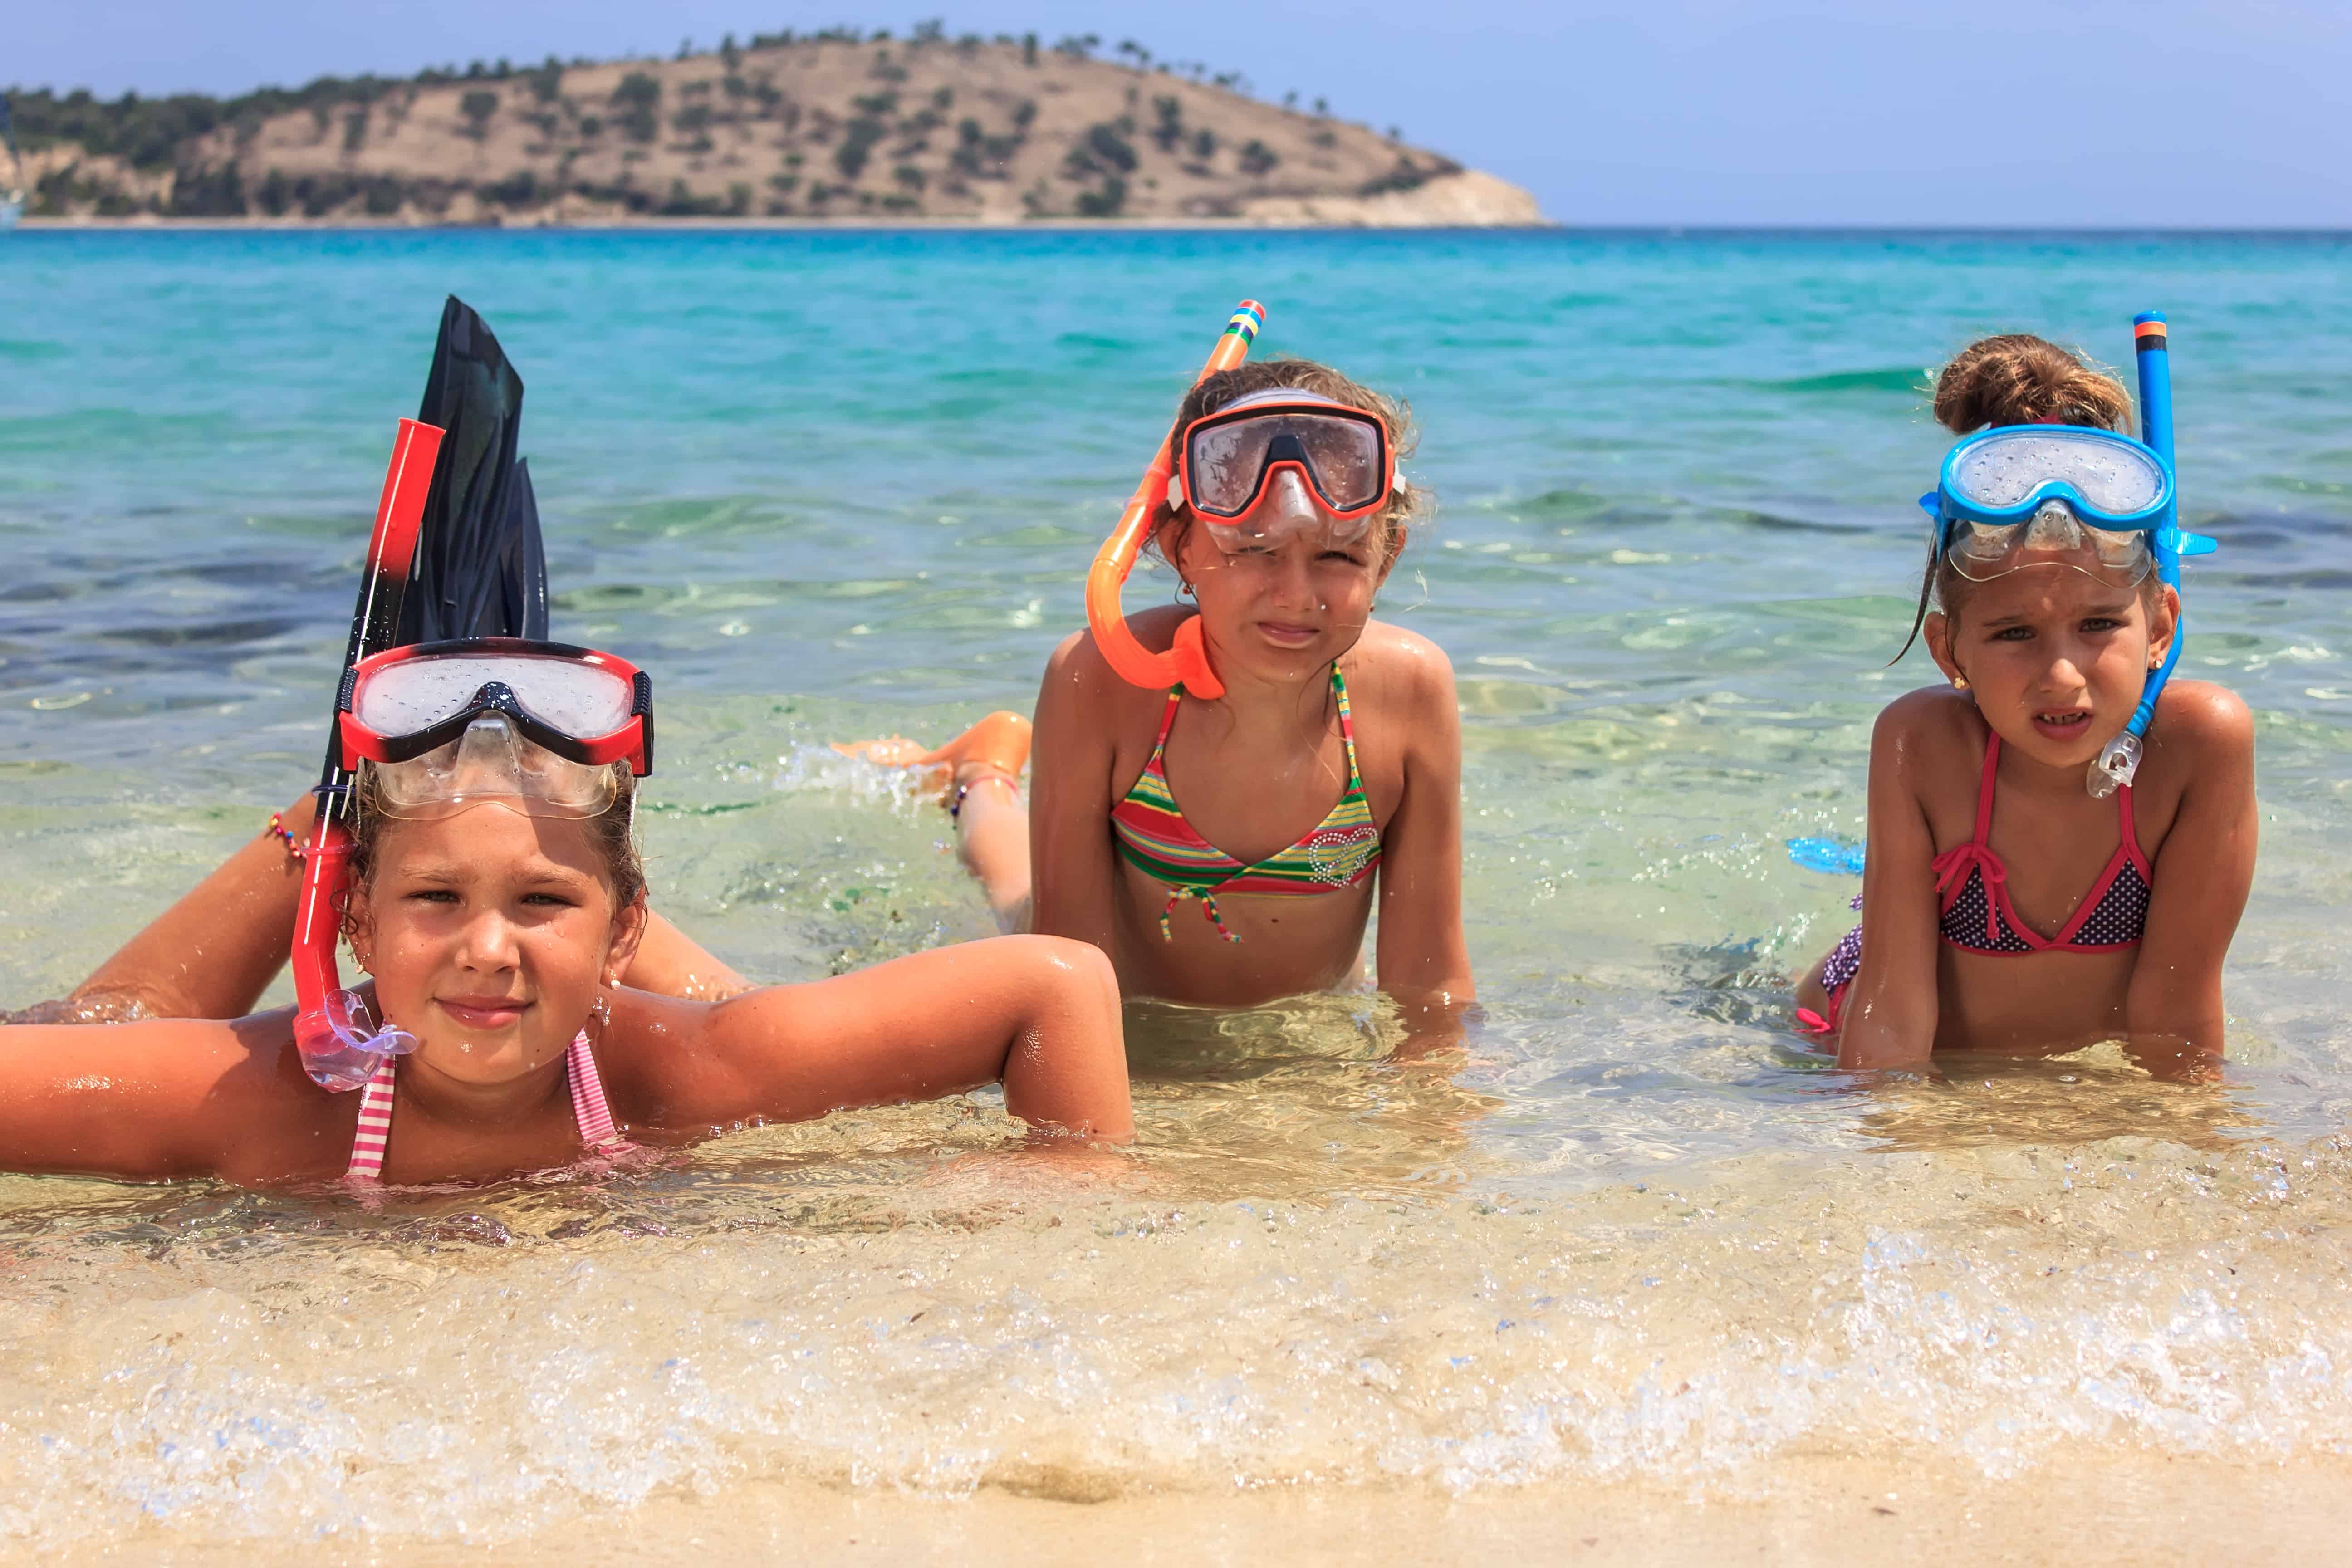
x=834, y=484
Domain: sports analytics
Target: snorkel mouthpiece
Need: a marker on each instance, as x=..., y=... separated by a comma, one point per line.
x=343, y=1048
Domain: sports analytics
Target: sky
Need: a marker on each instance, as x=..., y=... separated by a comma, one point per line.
x=2037, y=113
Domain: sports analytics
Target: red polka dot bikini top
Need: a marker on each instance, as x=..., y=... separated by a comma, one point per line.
x=1975, y=889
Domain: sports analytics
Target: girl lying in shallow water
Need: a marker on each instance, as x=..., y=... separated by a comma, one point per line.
x=502, y=933
x=2006, y=907
x=1225, y=851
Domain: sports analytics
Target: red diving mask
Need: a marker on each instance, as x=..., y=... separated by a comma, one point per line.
x=1280, y=462
x=532, y=726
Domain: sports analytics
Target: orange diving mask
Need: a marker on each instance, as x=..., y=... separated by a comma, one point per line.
x=1281, y=461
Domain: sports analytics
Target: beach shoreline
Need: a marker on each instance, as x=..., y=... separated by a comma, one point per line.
x=603, y=224
x=2118, y=1508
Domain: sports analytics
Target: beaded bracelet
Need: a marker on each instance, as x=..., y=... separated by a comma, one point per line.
x=955, y=806
x=277, y=827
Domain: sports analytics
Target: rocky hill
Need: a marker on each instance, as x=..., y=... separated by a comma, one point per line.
x=840, y=125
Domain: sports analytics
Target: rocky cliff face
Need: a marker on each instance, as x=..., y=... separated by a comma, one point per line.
x=876, y=130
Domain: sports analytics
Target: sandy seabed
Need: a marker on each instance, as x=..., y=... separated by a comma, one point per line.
x=2137, y=1510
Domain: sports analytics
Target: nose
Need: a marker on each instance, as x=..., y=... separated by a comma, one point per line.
x=487, y=943
x=2063, y=674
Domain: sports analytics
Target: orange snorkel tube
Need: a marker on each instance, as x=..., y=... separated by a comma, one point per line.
x=1187, y=661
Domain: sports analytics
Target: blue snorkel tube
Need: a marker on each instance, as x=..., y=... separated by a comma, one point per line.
x=2119, y=760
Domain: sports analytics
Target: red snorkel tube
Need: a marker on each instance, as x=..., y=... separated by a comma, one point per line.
x=1187, y=661
x=323, y=1020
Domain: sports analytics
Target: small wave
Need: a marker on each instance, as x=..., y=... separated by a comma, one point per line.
x=1905, y=379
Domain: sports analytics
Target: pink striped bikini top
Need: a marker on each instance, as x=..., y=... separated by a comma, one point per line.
x=1975, y=913
x=589, y=1110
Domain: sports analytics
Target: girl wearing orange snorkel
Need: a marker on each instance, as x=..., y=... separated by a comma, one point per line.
x=2007, y=907
x=1224, y=790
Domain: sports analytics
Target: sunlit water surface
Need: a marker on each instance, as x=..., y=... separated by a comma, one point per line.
x=836, y=485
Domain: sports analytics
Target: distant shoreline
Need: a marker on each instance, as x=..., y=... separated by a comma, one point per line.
x=724, y=224
x=1163, y=225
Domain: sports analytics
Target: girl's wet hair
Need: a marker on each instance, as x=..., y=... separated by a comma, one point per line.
x=2015, y=378
x=2019, y=379
x=609, y=831
x=1407, y=505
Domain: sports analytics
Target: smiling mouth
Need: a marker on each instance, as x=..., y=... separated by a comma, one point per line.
x=482, y=1012
x=1286, y=634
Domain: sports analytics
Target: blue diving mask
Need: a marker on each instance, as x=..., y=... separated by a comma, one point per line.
x=2065, y=495
x=2052, y=494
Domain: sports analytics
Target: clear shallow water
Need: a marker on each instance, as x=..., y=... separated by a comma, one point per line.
x=834, y=485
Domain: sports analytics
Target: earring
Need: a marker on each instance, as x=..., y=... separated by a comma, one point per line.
x=1184, y=587
x=1960, y=683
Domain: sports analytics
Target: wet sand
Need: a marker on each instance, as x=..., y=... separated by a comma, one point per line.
x=2141, y=1510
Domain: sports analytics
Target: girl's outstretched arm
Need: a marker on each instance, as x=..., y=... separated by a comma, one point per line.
x=1889, y=1016
x=1038, y=1014
x=1424, y=959
x=162, y=1097
x=2202, y=875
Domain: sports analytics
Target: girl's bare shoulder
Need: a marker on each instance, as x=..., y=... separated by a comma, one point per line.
x=1393, y=667
x=1932, y=729
x=1077, y=672
x=2203, y=733
x=2211, y=719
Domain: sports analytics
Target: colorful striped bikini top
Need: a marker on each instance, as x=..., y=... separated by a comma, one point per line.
x=1154, y=838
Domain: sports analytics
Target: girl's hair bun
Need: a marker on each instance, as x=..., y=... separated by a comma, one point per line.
x=2019, y=379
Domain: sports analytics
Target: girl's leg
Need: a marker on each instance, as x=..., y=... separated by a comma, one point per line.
x=977, y=775
x=211, y=953
x=214, y=951
x=671, y=963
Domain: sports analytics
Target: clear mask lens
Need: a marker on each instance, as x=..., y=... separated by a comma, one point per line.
x=571, y=697
x=1341, y=455
x=2052, y=536
x=492, y=763
x=2114, y=477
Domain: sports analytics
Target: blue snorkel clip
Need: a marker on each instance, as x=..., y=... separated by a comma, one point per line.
x=2119, y=760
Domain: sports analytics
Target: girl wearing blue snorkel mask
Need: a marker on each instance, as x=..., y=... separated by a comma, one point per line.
x=1228, y=845
x=2007, y=908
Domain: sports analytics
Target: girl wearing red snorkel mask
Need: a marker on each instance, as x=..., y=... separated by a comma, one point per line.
x=1229, y=847
x=494, y=895
x=2007, y=907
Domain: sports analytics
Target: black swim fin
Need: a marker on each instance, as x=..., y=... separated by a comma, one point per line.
x=481, y=567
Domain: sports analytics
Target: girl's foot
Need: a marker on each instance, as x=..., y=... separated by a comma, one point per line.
x=996, y=747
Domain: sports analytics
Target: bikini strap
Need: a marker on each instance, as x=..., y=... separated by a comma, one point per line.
x=1984, y=794
x=590, y=1110
x=1166, y=721
x=1346, y=729
x=375, y=1132
x=2130, y=826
